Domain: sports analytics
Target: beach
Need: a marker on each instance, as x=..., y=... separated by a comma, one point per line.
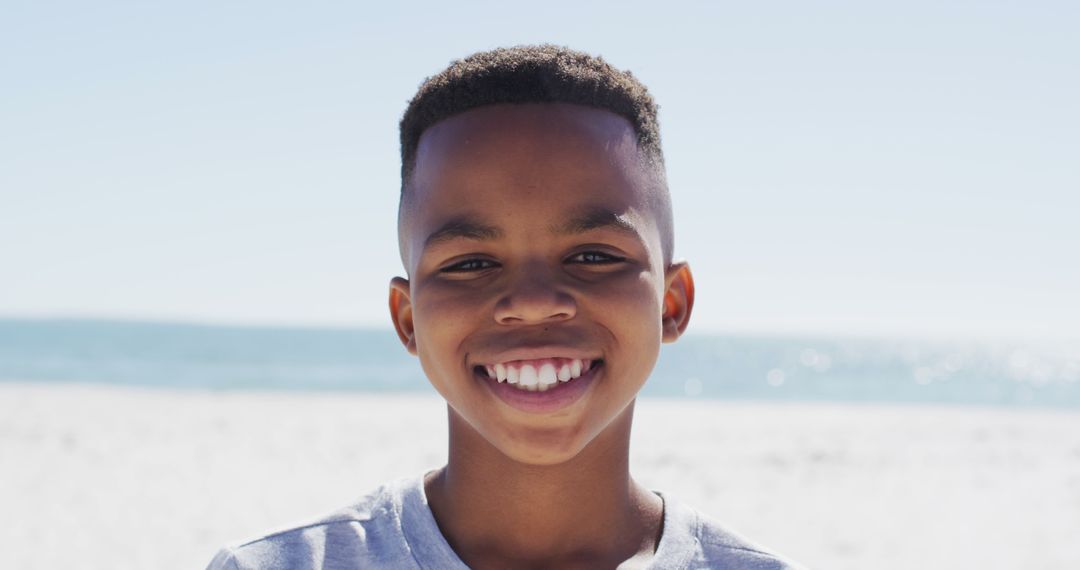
x=135, y=478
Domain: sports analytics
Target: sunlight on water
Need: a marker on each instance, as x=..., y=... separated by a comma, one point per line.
x=693, y=387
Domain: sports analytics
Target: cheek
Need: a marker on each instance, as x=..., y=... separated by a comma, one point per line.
x=631, y=308
x=634, y=299
x=439, y=312
x=441, y=324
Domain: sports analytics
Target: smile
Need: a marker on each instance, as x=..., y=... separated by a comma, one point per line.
x=540, y=385
x=538, y=375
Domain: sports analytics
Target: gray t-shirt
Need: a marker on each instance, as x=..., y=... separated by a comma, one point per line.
x=393, y=528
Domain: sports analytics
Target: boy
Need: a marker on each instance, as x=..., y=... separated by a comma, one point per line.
x=536, y=231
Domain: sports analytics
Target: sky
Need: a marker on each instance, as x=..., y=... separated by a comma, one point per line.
x=858, y=168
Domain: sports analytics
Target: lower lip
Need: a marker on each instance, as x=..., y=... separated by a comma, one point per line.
x=562, y=395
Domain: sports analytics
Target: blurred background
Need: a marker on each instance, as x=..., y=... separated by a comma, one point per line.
x=879, y=202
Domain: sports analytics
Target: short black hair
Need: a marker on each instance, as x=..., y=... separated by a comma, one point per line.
x=529, y=74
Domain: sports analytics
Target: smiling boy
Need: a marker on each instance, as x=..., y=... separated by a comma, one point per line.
x=535, y=228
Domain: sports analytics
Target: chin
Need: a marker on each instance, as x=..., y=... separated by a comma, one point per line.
x=543, y=449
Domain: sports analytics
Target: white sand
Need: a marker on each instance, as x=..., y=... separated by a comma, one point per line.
x=109, y=478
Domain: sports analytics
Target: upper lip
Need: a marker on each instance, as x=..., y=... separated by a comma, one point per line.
x=537, y=353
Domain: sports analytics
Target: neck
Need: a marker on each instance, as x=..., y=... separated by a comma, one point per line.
x=494, y=510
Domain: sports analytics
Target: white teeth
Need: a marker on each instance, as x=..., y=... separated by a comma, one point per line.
x=528, y=375
x=547, y=375
x=540, y=375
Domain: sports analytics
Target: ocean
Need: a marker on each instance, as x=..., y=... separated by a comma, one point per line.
x=702, y=366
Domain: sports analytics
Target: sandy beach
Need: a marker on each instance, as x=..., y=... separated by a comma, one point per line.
x=114, y=478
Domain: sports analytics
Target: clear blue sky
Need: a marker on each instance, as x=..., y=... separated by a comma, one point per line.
x=855, y=167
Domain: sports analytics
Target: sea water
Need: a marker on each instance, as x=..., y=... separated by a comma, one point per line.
x=699, y=366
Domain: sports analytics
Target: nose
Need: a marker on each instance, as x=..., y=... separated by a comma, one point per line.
x=534, y=297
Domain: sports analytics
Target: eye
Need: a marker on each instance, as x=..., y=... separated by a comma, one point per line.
x=595, y=258
x=469, y=265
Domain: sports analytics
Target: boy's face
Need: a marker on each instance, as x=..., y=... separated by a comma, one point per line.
x=530, y=240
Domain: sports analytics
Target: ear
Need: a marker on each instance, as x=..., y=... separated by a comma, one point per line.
x=678, y=300
x=401, y=313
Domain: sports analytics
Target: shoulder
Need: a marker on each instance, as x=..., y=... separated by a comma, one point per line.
x=703, y=542
x=365, y=534
x=721, y=543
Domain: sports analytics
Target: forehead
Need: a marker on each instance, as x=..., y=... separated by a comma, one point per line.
x=547, y=159
x=533, y=127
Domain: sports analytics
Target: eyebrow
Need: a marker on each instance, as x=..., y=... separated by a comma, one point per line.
x=594, y=219
x=465, y=227
x=468, y=227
